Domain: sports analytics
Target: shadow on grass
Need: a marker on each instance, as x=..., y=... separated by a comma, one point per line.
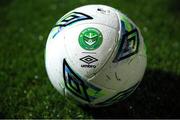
x=158, y=96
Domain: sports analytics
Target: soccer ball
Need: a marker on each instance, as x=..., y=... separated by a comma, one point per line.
x=96, y=55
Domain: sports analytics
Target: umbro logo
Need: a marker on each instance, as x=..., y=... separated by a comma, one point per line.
x=88, y=60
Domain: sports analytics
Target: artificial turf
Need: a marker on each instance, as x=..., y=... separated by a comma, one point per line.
x=25, y=90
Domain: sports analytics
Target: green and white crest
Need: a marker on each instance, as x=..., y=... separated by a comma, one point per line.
x=90, y=39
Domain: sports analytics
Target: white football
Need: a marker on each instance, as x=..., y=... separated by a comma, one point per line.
x=96, y=55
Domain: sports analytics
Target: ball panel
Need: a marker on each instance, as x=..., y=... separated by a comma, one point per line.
x=89, y=62
x=54, y=56
x=81, y=89
x=101, y=14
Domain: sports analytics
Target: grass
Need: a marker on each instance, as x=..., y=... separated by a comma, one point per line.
x=25, y=91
